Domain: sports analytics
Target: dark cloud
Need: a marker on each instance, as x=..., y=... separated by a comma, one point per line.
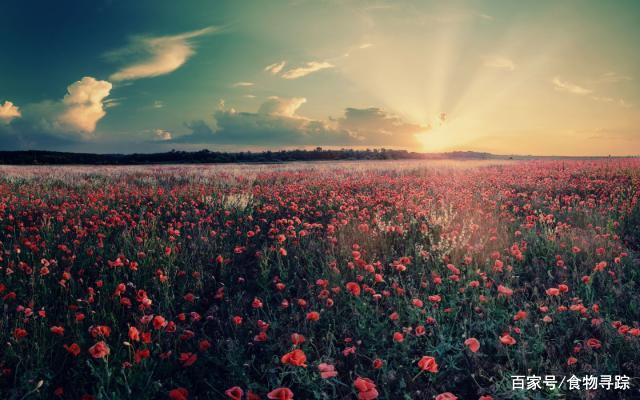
x=277, y=123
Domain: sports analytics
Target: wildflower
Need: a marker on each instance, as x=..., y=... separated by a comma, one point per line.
x=354, y=288
x=327, y=371
x=473, y=344
x=446, y=396
x=234, y=393
x=507, y=340
x=295, y=357
x=594, y=343
x=366, y=389
x=553, y=291
x=57, y=330
x=297, y=339
x=99, y=350
x=282, y=393
x=188, y=359
x=428, y=363
x=313, y=316
x=73, y=349
x=505, y=291
x=179, y=394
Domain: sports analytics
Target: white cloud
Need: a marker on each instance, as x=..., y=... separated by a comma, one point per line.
x=612, y=77
x=569, y=87
x=164, y=54
x=275, y=68
x=161, y=135
x=499, y=62
x=309, y=68
x=83, y=104
x=9, y=111
x=282, y=107
x=365, y=46
x=243, y=84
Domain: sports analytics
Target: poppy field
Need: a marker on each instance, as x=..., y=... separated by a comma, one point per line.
x=381, y=280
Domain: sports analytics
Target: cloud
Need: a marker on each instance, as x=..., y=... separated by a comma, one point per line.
x=579, y=90
x=378, y=127
x=499, y=62
x=612, y=77
x=161, y=135
x=163, y=55
x=283, y=107
x=277, y=123
x=565, y=86
x=243, y=84
x=275, y=68
x=84, y=104
x=61, y=123
x=9, y=111
x=309, y=68
x=365, y=45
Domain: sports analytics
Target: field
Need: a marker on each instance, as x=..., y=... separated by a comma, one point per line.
x=387, y=280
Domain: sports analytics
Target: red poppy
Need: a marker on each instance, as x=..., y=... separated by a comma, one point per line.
x=57, y=330
x=282, y=393
x=507, y=340
x=446, y=396
x=297, y=339
x=366, y=389
x=234, y=393
x=327, y=371
x=179, y=394
x=73, y=348
x=473, y=344
x=99, y=350
x=313, y=316
x=295, y=357
x=428, y=363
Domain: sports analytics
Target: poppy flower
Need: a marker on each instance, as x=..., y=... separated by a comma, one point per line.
x=446, y=396
x=507, y=340
x=429, y=364
x=57, y=330
x=505, y=291
x=234, y=393
x=99, y=350
x=366, y=389
x=327, y=371
x=179, y=394
x=473, y=344
x=297, y=339
x=594, y=343
x=73, y=348
x=282, y=393
x=354, y=288
x=188, y=359
x=553, y=291
x=295, y=357
x=520, y=315
x=19, y=333
x=313, y=316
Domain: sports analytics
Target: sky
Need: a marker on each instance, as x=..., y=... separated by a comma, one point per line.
x=506, y=77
